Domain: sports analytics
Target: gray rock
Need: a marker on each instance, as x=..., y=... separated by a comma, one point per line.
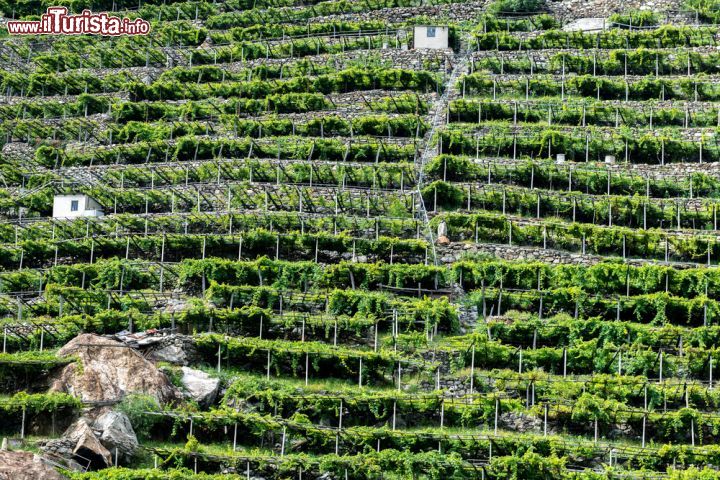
x=520, y=422
x=200, y=386
x=107, y=373
x=87, y=449
x=175, y=349
x=116, y=432
x=174, y=354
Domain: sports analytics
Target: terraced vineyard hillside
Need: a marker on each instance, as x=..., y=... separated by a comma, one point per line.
x=280, y=240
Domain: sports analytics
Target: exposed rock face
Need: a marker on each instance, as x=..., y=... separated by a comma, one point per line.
x=200, y=386
x=109, y=370
x=25, y=466
x=116, y=432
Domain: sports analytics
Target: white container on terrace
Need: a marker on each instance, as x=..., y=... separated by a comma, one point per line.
x=76, y=205
x=609, y=158
x=428, y=36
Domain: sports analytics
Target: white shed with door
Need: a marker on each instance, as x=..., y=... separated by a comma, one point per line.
x=72, y=206
x=425, y=36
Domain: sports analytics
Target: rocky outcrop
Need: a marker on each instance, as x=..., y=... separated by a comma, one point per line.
x=88, y=447
x=79, y=446
x=94, y=444
x=199, y=386
x=26, y=466
x=175, y=349
x=161, y=345
x=116, y=434
x=108, y=370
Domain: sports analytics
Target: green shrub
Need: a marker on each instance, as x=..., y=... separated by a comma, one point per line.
x=517, y=6
x=135, y=406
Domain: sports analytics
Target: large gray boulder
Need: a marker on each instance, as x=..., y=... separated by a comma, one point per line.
x=116, y=434
x=109, y=370
x=199, y=386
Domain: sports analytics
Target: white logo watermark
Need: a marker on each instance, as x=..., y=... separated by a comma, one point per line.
x=57, y=21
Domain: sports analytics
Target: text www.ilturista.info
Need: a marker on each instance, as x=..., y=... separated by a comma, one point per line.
x=57, y=22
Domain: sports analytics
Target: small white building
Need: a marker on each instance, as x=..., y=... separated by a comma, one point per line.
x=430, y=37
x=73, y=206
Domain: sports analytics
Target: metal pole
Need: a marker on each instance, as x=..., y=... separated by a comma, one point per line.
x=268, y=365
x=472, y=369
x=497, y=408
x=282, y=446
x=235, y=438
